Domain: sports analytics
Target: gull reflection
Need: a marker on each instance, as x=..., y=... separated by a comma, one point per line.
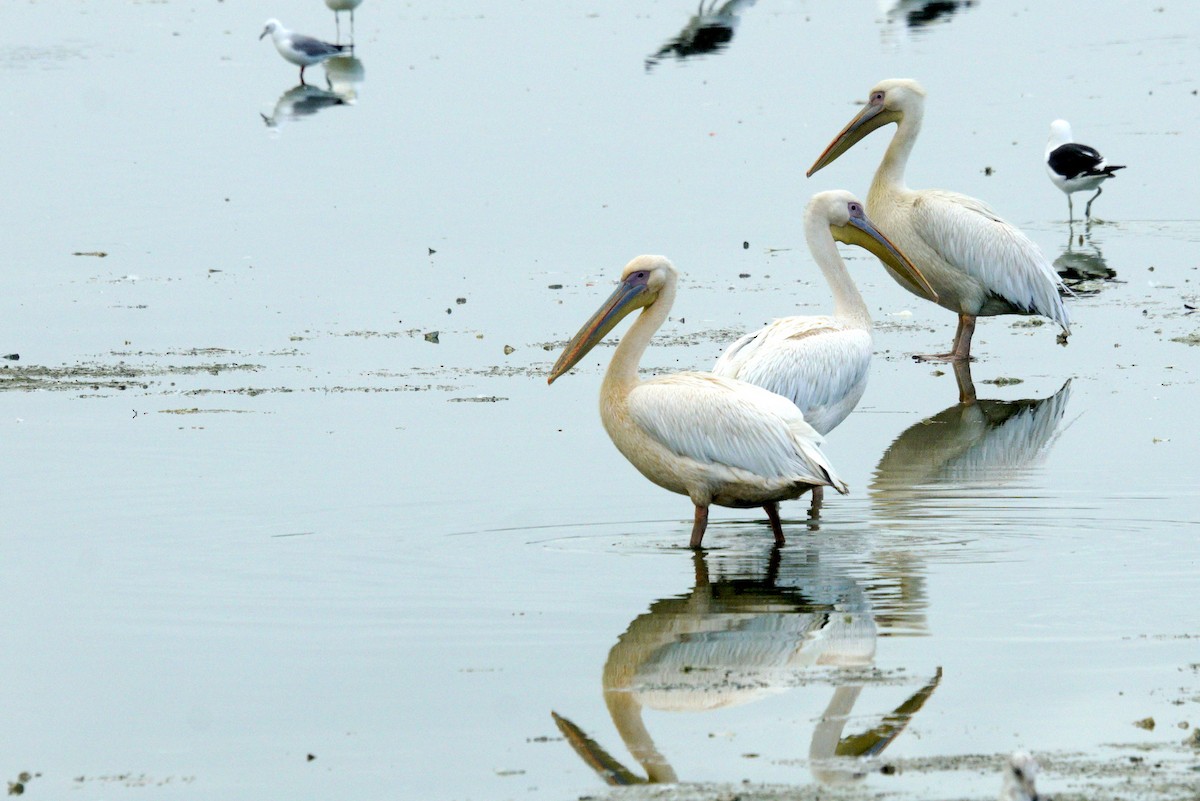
x=751, y=634
x=918, y=14
x=343, y=77
x=1081, y=265
x=302, y=100
x=708, y=31
x=976, y=442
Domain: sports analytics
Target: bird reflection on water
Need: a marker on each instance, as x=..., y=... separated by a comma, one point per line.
x=343, y=77
x=975, y=443
x=753, y=633
x=302, y=100
x=709, y=30
x=920, y=14
x=1082, y=266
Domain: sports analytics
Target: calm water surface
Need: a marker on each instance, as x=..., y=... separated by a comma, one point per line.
x=275, y=488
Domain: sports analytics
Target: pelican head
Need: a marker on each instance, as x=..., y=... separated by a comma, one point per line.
x=888, y=101
x=848, y=223
x=271, y=26
x=1020, y=778
x=641, y=281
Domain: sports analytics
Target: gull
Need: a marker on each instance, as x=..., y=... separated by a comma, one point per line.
x=1074, y=167
x=298, y=48
x=338, y=6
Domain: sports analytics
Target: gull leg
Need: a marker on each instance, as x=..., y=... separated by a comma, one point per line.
x=772, y=510
x=1070, y=208
x=1088, y=211
x=302, y=83
x=699, y=523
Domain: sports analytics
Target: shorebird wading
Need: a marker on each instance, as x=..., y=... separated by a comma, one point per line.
x=716, y=440
x=1074, y=167
x=298, y=48
x=978, y=264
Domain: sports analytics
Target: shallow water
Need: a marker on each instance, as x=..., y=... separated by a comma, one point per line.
x=255, y=511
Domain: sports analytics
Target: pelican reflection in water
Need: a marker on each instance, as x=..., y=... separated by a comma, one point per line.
x=708, y=31
x=981, y=443
x=716, y=440
x=741, y=638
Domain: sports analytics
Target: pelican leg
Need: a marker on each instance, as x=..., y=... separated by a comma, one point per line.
x=1088, y=210
x=818, y=498
x=961, y=349
x=962, y=377
x=772, y=510
x=337, y=21
x=698, y=525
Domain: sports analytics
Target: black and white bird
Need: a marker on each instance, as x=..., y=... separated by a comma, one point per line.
x=300, y=49
x=1074, y=167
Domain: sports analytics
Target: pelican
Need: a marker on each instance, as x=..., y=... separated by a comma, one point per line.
x=298, y=48
x=714, y=439
x=978, y=264
x=1074, y=167
x=821, y=363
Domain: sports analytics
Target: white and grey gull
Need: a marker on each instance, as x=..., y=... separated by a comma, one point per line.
x=1074, y=167
x=300, y=49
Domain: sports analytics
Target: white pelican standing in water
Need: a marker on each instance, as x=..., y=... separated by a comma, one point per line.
x=978, y=264
x=821, y=363
x=714, y=439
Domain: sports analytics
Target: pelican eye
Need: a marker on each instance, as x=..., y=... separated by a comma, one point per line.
x=640, y=277
x=855, y=209
x=877, y=98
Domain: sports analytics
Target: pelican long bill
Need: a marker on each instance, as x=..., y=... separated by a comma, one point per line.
x=629, y=296
x=872, y=117
x=860, y=231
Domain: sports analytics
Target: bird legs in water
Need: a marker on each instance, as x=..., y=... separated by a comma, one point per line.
x=1087, y=212
x=961, y=349
x=700, y=523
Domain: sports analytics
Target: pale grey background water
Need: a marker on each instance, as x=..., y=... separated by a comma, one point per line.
x=341, y=555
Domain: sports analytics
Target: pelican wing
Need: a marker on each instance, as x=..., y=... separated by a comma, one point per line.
x=715, y=420
x=815, y=362
x=969, y=235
